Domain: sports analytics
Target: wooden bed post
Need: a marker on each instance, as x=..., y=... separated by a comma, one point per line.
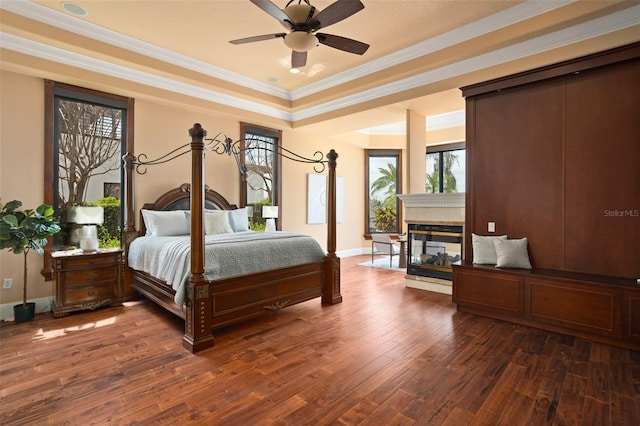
x=129, y=233
x=331, y=291
x=197, y=333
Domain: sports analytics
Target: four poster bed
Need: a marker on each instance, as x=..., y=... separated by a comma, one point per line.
x=213, y=291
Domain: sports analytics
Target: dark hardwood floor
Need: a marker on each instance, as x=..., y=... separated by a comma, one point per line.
x=387, y=355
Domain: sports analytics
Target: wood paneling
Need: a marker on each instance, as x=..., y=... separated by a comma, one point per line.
x=518, y=181
x=592, y=307
x=602, y=219
x=557, y=161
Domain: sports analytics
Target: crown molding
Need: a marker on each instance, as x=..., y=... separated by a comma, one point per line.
x=616, y=21
x=55, y=54
x=459, y=35
x=78, y=26
x=610, y=23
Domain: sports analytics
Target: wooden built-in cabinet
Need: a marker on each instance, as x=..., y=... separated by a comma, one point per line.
x=87, y=280
x=552, y=155
x=598, y=308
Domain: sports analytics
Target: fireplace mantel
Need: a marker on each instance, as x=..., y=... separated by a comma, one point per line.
x=432, y=209
x=433, y=200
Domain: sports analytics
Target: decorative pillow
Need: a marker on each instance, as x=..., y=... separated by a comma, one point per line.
x=165, y=223
x=238, y=219
x=484, y=253
x=512, y=254
x=216, y=222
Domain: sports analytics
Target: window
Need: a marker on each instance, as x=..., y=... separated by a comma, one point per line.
x=261, y=185
x=445, y=169
x=383, y=170
x=86, y=134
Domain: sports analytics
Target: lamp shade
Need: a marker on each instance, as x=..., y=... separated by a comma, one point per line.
x=300, y=41
x=86, y=215
x=269, y=212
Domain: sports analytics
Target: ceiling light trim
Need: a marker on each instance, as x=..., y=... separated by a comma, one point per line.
x=65, y=57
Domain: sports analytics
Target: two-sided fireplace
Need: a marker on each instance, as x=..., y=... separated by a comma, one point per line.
x=432, y=249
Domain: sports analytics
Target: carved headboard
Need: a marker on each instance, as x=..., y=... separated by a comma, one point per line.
x=180, y=199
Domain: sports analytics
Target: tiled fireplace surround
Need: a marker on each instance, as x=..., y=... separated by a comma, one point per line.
x=432, y=209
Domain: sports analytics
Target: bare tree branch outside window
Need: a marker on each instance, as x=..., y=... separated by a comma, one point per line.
x=89, y=141
x=259, y=164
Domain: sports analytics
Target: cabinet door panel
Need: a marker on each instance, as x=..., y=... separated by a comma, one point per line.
x=631, y=315
x=495, y=292
x=589, y=308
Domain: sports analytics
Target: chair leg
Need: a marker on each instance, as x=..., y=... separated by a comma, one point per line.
x=391, y=259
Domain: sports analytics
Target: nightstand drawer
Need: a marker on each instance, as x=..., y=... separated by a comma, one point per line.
x=87, y=280
x=90, y=294
x=89, y=261
x=84, y=277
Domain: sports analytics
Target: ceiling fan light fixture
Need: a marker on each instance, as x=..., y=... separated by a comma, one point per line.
x=299, y=13
x=301, y=41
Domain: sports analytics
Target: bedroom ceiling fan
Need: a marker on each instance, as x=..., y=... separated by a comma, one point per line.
x=303, y=21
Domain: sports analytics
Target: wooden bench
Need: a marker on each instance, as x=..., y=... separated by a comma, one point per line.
x=598, y=308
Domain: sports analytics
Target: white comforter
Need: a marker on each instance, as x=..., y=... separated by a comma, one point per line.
x=226, y=255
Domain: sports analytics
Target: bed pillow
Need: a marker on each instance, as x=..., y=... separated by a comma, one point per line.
x=484, y=252
x=238, y=219
x=216, y=222
x=165, y=223
x=512, y=254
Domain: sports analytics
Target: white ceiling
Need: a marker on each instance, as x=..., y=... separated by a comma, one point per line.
x=421, y=52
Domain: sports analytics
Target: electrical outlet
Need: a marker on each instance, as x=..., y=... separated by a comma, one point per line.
x=7, y=282
x=491, y=227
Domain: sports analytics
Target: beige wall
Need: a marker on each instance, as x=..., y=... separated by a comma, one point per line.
x=21, y=173
x=160, y=128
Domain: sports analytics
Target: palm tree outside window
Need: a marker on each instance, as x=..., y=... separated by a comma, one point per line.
x=445, y=166
x=383, y=170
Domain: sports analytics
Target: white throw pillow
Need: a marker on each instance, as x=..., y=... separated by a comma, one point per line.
x=484, y=252
x=216, y=222
x=165, y=223
x=238, y=219
x=512, y=254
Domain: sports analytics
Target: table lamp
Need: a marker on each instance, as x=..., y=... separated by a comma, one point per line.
x=270, y=213
x=88, y=217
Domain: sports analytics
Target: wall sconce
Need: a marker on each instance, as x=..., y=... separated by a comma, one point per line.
x=270, y=213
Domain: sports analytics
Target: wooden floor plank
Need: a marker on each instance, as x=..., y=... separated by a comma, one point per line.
x=387, y=355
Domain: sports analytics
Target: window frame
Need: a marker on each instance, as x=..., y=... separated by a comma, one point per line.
x=52, y=90
x=368, y=153
x=276, y=186
x=440, y=150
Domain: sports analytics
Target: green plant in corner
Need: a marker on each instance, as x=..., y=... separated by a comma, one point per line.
x=22, y=231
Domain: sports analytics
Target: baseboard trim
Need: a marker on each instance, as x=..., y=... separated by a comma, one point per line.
x=43, y=304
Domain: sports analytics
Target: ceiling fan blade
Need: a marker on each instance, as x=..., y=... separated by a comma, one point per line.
x=258, y=38
x=336, y=12
x=342, y=43
x=273, y=10
x=298, y=59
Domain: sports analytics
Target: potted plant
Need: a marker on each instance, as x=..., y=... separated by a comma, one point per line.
x=20, y=232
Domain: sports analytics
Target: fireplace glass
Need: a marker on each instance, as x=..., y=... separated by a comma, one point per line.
x=432, y=249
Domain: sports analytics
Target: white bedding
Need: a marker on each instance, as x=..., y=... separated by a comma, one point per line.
x=226, y=255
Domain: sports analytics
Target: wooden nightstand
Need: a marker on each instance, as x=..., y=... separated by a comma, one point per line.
x=87, y=280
